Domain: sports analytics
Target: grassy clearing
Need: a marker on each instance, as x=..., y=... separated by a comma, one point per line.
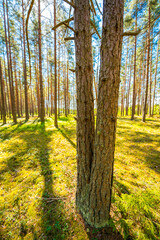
x=38, y=180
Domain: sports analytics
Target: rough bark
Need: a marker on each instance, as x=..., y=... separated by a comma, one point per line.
x=85, y=101
x=95, y=174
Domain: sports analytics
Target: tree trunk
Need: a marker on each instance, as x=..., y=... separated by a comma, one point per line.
x=24, y=67
x=55, y=70
x=3, y=109
x=9, y=61
x=95, y=175
x=148, y=59
x=150, y=82
x=42, y=111
x=134, y=80
x=85, y=101
x=155, y=79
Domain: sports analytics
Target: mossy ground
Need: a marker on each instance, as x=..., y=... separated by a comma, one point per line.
x=38, y=180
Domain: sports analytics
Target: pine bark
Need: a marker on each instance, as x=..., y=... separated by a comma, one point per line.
x=95, y=161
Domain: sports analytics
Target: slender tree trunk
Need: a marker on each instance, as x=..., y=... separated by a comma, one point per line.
x=42, y=111
x=59, y=65
x=148, y=59
x=134, y=80
x=55, y=69
x=155, y=79
x=9, y=62
x=16, y=88
x=51, y=92
x=150, y=82
x=3, y=109
x=24, y=67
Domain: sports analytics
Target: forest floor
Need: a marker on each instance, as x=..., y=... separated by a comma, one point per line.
x=38, y=180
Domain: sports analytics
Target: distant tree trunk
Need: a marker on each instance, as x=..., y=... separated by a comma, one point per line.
x=48, y=84
x=59, y=65
x=95, y=168
x=55, y=69
x=9, y=61
x=155, y=79
x=150, y=82
x=24, y=67
x=67, y=88
x=3, y=109
x=16, y=88
x=129, y=86
x=51, y=92
x=42, y=111
x=134, y=79
x=37, y=85
x=148, y=59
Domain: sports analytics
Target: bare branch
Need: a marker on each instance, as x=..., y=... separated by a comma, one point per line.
x=61, y=23
x=98, y=7
x=93, y=25
x=131, y=33
x=92, y=7
x=69, y=27
x=72, y=70
x=69, y=38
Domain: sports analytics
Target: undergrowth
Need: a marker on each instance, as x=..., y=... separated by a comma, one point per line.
x=38, y=180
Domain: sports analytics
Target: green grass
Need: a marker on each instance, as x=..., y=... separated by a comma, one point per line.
x=38, y=180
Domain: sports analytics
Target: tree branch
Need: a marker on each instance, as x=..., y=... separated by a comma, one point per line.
x=93, y=25
x=61, y=23
x=131, y=33
x=72, y=70
x=70, y=3
x=28, y=14
x=69, y=38
x=69, y=27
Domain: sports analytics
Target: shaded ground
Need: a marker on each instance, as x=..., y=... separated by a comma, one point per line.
x=38, y=181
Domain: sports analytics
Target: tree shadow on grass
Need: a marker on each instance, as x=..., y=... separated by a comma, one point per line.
x=53, y=222
x=68, y=139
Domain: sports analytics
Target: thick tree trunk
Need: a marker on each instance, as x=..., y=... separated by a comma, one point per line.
x=95, y=174
x=85, y=101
